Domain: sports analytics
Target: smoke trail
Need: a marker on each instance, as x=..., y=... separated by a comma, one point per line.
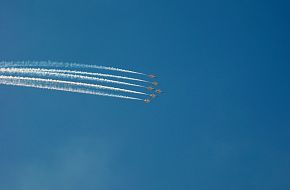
x=75, y=72
x=80, y=84
x=47, y=73
x=65, y=65
x=98, y=74
x=53, y=85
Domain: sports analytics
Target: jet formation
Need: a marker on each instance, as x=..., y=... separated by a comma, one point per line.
x=152, y=89
x=81, y=78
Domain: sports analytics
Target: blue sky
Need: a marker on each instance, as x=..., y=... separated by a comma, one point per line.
x=223, y=123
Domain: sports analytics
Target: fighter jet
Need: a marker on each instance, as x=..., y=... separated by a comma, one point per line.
x=152, y=95
x=152, y=76
x=150, y=88
x=147, y=101
x=155, y=83
x=158, y=91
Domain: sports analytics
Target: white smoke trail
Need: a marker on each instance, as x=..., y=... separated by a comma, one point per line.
x=81, y=84
x=3, y=65
x=49, y=73
x=99, y=74
x=65, y=65
x=53, y=85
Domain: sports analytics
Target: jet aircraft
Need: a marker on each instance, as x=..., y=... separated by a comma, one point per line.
x=155, y=83
x=158, y=91
x=150, y=88
x=147, y=101
x=152, y=76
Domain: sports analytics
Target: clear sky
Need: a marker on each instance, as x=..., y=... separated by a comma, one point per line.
x=224, y=122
